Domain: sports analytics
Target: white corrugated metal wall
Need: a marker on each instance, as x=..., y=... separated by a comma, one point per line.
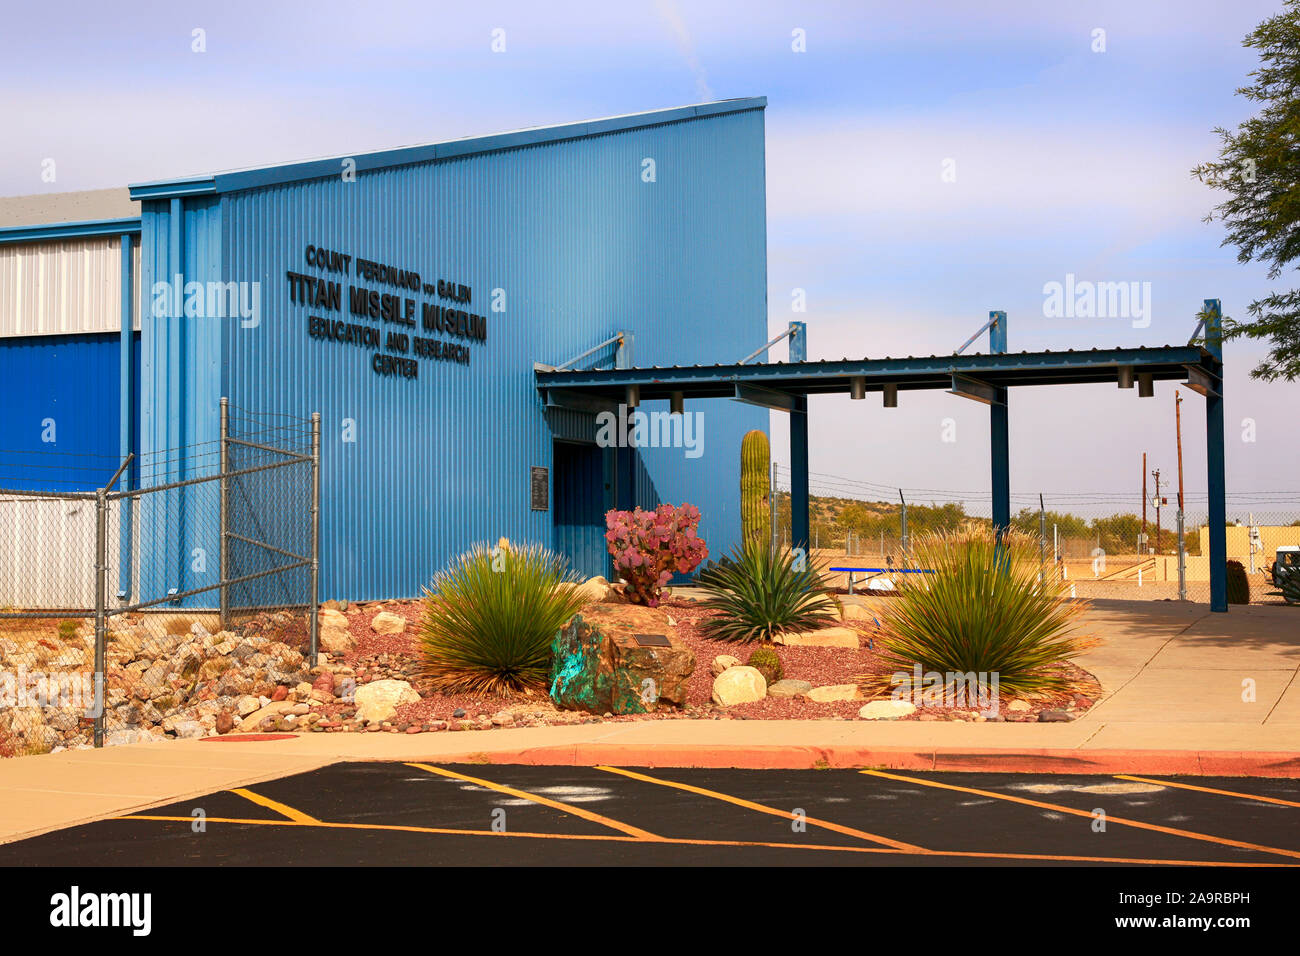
x=70, y=286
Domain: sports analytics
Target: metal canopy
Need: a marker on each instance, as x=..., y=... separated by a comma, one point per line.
x=785, y=387
x=1165, y=363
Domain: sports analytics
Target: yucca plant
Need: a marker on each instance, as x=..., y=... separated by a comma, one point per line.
x=489, y=619
x=762, y=594
x=983, y=609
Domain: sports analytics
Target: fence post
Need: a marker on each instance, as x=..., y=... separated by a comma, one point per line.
x=904, y=543
x=315, y=535
x=101, y=605
x=1182, y=560
x=1042, y=541
x=224, y=548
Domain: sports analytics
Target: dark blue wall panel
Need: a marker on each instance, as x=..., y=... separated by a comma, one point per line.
x=65, y=387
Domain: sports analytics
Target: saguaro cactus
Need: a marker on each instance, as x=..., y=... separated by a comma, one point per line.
x=755, y=487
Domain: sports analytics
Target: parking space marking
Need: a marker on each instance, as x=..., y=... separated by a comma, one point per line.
x=763, y=808
x=544, y=801
x=610, y=838
x=280, y=808
x=1058, y=808
x=1223, y=793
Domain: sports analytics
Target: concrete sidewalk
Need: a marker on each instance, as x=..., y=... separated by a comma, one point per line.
x=1175, y=681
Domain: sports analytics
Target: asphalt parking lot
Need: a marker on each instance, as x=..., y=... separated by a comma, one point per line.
x=356, y=814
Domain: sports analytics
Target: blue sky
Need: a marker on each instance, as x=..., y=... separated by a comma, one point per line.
x=1067, y=161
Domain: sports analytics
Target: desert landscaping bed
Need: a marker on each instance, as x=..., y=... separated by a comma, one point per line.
x=192, y=683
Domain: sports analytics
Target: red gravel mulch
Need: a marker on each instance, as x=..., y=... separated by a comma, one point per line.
x=377, y=656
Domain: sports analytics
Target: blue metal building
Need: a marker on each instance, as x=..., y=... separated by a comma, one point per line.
x=408, y=296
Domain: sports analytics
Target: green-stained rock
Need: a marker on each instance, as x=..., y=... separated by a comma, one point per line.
x=597, y=665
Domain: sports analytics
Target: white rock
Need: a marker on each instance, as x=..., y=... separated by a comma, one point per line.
x=738, y=685
x=833, y=692
x=1018, y=706
x=823, y=637
x=386, y=622
x=722, y=662
x=380, y=699
x=887, y=710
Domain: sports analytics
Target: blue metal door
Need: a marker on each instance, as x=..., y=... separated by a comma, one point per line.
x=579, y=491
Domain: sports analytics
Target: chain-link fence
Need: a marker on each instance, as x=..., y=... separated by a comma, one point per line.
x=1104, y=545
x=148, y=600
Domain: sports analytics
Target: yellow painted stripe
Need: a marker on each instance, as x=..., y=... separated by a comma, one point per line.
x=290, y=812
x=763, y=808
x=610, y=838
x=1223, y=793
x=544, y=801
x=1172, y=831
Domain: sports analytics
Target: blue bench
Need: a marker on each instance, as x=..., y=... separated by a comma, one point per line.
x=872, y=572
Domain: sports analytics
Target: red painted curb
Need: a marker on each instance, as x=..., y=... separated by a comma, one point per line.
x=988, y=760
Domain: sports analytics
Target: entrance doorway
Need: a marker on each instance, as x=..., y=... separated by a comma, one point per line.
x=581, y=494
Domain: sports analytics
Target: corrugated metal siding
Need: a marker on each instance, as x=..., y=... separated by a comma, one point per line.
x=50, y=562
x=74, y=382
x=180, y=374
x=73, y=286
x=582, y=247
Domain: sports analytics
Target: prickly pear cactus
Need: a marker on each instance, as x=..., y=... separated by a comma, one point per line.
x=755, y=487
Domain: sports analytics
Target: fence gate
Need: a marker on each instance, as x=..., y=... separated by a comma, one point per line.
x=130, y=606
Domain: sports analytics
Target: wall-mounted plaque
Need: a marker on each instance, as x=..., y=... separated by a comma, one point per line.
x=541, y=489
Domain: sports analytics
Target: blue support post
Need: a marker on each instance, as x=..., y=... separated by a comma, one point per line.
x=999, y=440
x=799, y=523
x=125, y=431
x=1216, y=482
x=625, y=456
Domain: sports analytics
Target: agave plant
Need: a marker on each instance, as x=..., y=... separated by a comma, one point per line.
x=489, y=619
x=982, y=610
x=762, y=593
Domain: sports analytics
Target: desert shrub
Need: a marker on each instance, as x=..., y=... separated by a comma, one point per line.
x=1238, y=584
x=490, y=617
x=982, y=610
x=67, y=630
x=761, y=593
x=766, y=662
x=649, y=547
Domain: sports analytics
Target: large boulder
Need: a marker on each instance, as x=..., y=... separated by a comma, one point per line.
x=386, y=622
x=336, y=641
x=598, y=666
x=739, y=685
x=380, y=699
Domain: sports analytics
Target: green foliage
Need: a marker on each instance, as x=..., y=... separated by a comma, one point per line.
x=1238, y=584
x=766, y=662
x=983, y=610
x=67, y=630
x=1114, y=534
x=755, y=487
x=1258, y=167
x=489, y=619
x=762, y=594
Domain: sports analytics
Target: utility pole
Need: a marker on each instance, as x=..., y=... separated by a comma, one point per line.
x=1182, y=515
x=1156, y=474
x=1144, y=502
x=1178, y=430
